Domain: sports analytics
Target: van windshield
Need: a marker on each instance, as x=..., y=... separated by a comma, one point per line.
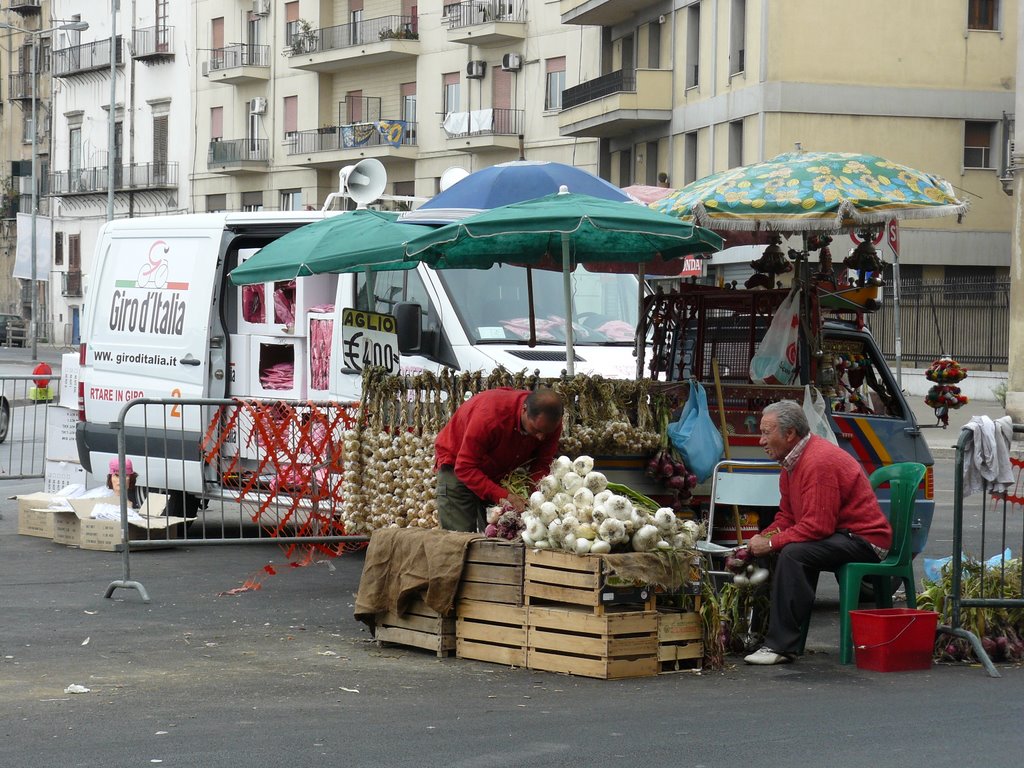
x=494, y=308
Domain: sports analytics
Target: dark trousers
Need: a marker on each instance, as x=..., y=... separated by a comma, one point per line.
x=458, y=508
x=795, y=579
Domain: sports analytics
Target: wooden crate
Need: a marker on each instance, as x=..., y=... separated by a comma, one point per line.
x=420, y=627
x=575, y=641
x=680, y=640
x=494, y=632
x=565, y=578
x=493, y=572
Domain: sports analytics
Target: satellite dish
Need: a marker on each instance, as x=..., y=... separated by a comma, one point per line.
x=452, y=176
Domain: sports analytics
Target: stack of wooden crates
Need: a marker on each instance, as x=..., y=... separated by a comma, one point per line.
x=557, y=612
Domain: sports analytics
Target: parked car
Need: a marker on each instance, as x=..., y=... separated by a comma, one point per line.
x=12, y=330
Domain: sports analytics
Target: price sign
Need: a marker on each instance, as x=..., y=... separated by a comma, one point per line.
x=369, y=339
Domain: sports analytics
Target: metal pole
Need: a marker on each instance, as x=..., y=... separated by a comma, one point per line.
x=111, y=146
x=33, y=326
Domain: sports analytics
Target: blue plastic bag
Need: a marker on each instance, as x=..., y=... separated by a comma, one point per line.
x=695, y=436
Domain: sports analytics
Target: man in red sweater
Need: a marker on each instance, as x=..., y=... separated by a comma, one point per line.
x=828, y=516
x=489, y=436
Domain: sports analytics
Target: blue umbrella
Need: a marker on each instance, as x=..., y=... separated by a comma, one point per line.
x=507, y=183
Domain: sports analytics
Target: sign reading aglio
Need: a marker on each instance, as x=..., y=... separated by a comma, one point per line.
x=150, y=303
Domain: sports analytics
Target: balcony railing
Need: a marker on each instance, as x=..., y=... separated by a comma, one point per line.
x=364, y=32
x=87, y=57
x=484, y=122
x=26, y=7
x=238, y=151
x=71, y=283
x=599, y=87
x=153, y=42
x=20, y=86
x=137, y=176
x=483, y=12
x=239, y=55
x=396, y=133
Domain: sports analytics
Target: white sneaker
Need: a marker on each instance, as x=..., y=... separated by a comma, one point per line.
x=765, y=656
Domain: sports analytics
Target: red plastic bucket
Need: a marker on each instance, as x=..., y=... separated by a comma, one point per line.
x=893, y=639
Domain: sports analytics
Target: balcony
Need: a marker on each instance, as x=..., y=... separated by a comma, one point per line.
x=367, y=43
x=20, y=86
x=136, y=177
x=617, y=104
x=602, y=13
x=26, y=7
x=338, y=145
x=238, y=64
x=486, y=22
x=89, y=57
x=484, y=129
x=238, y=156
x=71, y=283
x=153, y=45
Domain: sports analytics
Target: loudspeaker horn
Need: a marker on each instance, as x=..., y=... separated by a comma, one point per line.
x=364, y=182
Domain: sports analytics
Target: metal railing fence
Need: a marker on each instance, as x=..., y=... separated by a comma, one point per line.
x=24, y=421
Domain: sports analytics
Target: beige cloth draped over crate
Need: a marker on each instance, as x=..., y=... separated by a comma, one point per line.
x=402, y=563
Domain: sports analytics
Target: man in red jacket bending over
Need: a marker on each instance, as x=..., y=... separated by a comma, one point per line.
x=828, y=516
x=489, y=436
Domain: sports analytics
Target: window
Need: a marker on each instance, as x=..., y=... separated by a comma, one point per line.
x=978, y=143
x=291, y=199
x=982, y=14
x=555, y=82
x=160, y=143
x=452, y=92
x=27, y=128
x=355, y=9
x=75, y=159
x=216, y=203
x=737, y=37
x=58, y=249
x=689, y=157
x=625, y=167
x=693, y=45
x=217, y=123
x=252, y=201
x=735, y=143
x=291, y=116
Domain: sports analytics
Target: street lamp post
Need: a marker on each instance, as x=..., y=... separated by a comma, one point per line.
x=76, y=26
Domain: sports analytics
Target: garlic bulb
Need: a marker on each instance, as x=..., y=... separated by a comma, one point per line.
x=549, y=486
x=582, y=465
x=547, y=512
x=582, y=546
x=665, y=519
x=602, y=496
x=586, y=531
x=645, y=538
x=619, y=507
x=571, y=482
x=600, y=547
x=583, y=498
x=536, y=499
x=595, y=481
x=611, y=530
x=560, y=466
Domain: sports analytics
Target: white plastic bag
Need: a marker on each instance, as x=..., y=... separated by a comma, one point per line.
x=775, y=361
x=814, y=410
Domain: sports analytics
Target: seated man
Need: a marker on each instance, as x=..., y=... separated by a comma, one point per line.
x=828, y=516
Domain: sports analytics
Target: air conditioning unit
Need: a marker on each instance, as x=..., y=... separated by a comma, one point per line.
x=261, y=7
x=476, y=69
x=258, y=106
x=511, y=62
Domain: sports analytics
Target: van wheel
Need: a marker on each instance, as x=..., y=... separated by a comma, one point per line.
x=5, y=418
x=179, y=503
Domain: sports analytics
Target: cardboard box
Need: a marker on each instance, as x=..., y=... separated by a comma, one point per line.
x=265, y=351
x=35, y=517
x=60, y=474
x=69, y=380
x=78, y=528
x=60, y=433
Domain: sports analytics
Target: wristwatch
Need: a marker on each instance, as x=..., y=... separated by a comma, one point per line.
x=770, y=543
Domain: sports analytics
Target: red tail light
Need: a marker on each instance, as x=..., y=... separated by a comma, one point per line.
x=81, y=400
x=81, y=354
x=929, y=483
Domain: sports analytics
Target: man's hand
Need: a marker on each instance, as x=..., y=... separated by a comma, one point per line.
x=517, y=502
x=759, y=546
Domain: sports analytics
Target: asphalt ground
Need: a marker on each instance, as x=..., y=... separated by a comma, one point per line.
x=207, y=675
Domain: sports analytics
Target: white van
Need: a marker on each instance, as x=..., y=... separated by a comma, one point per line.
x=162, y=320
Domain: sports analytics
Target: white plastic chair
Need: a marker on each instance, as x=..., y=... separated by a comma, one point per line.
x=742, y=483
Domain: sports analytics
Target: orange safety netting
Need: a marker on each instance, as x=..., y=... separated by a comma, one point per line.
x=295, y=488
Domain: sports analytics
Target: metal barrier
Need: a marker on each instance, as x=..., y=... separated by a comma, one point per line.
x=23, y=423
x=994, y=530
x=253, y=472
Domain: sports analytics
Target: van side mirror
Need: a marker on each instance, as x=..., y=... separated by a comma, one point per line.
x=408, y=315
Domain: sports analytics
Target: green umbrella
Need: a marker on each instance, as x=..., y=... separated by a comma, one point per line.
x=812, y=191
x=565, y=229
x=348, y=242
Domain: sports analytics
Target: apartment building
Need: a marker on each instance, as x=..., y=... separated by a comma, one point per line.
x=291, y=92
x=698, y=86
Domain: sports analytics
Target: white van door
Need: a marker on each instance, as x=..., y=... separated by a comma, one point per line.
x=148, y=335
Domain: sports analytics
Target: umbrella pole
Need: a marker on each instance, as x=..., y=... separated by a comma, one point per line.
x=638, y=350
x=369, y=290
x=529, y=301
x=570, y=352
x=896, y=319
